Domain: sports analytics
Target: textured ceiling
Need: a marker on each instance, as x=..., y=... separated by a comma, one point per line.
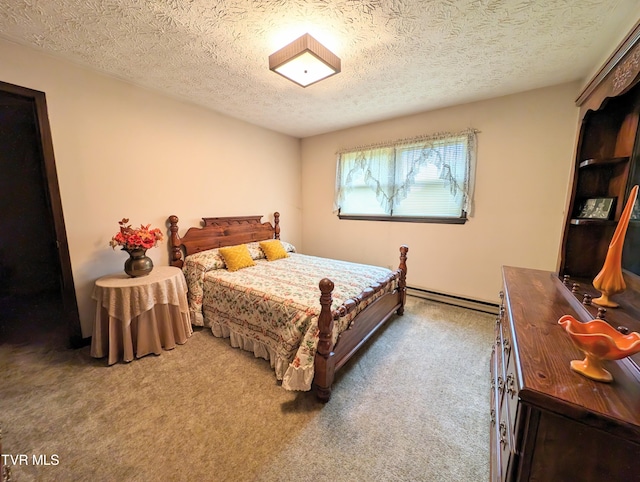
x=398, y=56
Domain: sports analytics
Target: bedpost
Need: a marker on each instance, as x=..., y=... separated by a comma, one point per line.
x=324, y=363
x=174, y=243
x=402, y=282
x=276, y=225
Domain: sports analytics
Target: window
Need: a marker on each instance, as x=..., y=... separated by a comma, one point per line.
x=425, y=179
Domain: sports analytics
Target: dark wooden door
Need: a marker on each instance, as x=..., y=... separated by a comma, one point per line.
x=36, y=285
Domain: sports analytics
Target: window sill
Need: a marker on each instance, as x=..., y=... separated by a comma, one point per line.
x=405, y=219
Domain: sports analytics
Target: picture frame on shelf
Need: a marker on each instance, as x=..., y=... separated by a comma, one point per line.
x=596, y=208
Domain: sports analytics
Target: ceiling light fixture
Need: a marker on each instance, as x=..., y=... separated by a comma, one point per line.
x=304, y=61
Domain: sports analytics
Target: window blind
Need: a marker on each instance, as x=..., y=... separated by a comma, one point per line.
x=429, y=177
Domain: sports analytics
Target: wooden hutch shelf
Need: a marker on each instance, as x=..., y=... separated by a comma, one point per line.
x=607, y=164
x=591, y=222
x=603, y=162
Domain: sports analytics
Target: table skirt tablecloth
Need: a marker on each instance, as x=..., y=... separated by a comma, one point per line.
x=139, y=316
x=163, y=326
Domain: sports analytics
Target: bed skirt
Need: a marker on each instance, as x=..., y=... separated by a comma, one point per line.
x=293, y=378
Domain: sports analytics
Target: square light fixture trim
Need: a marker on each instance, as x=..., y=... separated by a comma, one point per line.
x=304, y=61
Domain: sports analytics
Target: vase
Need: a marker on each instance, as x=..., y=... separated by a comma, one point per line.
x=138, y=264
x=610, y=280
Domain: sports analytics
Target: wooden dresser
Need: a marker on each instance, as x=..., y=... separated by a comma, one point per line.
x=548, y=423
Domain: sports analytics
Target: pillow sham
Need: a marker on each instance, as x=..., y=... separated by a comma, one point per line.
x=236, y=257
x=288, y=247
x=273, y=249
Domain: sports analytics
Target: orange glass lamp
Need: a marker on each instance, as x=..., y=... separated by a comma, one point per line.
x=599, y=341
x=304, y=61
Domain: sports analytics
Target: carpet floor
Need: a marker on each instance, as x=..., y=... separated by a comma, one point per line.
x=413, y=405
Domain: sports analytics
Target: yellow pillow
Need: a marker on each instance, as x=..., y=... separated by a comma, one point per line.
x=236, y=257
x=273, y=249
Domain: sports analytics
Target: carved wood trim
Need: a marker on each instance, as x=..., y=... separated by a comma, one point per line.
x=230, y=221
x=402, y=282
x=324, y=362
x=218, y=232
x=626, y=72
x=618, y=74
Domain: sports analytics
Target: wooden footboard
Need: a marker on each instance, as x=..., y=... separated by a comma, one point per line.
x=330, y=357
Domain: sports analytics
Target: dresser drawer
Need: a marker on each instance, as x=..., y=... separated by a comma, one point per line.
x=495, y=460
x=504, y=400
x=501, y=435
x=499, y=355
x=510, y=395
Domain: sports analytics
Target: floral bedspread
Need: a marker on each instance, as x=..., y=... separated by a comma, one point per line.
x=198, y=264
x=272, y=308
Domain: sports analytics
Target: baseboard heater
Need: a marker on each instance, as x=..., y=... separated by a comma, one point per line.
x=469, y=303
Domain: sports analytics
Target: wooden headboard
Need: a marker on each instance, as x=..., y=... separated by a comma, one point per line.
x=219, y=232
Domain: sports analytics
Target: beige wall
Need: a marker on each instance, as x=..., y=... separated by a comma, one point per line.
x=122, y=151
x=525, y=154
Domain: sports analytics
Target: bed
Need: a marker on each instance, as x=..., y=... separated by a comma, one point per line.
x=306, y=315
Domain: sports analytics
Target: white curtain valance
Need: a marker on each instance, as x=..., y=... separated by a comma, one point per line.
x=390, y=169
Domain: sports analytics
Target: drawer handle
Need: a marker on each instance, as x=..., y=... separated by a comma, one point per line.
x=511, y=388
x=503, y=435
x=506, y=347
x=500, y=385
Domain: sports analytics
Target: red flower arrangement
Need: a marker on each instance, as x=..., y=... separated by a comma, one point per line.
x=139, y=238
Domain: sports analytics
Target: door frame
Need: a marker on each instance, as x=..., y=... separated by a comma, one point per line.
x=68, y=292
